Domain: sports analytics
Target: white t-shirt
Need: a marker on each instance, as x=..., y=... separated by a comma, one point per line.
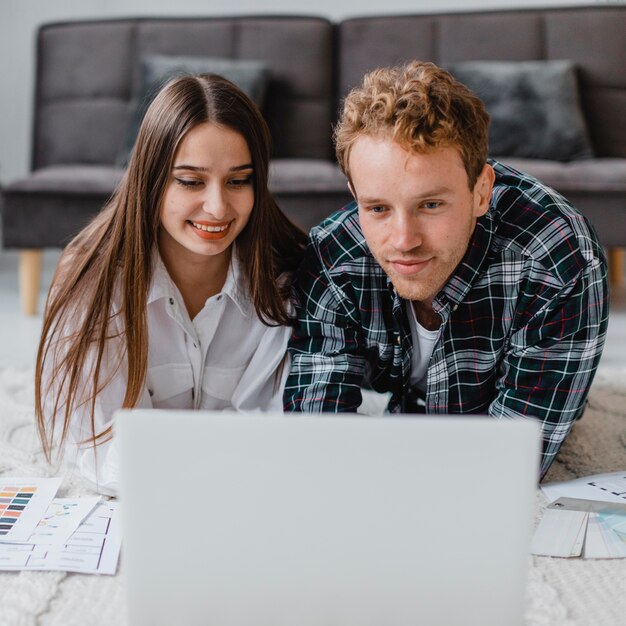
x=423, y=345
x=226, y=358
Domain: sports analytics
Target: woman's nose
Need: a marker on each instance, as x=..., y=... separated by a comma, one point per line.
x=215, y=202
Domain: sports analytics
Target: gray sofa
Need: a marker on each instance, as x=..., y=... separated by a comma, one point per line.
x=87, y=77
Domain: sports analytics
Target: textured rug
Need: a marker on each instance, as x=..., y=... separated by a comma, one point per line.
x=597, y=443
x=560, y=592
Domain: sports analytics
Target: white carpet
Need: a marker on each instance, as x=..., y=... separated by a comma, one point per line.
x=560, y=592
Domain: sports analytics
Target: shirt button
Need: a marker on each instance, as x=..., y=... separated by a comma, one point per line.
x=194, y=345
x=219, y=298
x=398, y=340
x=172, y=301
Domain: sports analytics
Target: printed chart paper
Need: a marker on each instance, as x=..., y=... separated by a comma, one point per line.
x=62, y=518
x=604, y=487
x=23, y=502
x=93, y=549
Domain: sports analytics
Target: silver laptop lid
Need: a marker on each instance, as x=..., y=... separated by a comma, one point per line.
x=325, y=520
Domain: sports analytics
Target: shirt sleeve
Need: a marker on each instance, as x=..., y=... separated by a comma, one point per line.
x=552, y=358
x=99, y=464
x=326, y=347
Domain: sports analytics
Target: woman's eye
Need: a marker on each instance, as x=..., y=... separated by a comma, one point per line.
x=188, y=182
x=240, y=182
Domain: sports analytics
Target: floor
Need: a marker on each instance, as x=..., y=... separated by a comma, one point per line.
x=20, y=334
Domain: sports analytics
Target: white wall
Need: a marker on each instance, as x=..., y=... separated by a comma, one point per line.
x=19, y=20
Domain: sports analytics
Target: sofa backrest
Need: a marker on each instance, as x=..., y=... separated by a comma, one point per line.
x=593, y=37
x=86, y=72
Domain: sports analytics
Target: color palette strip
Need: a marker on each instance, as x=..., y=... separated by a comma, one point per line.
x=23, y=502
x=13, y=502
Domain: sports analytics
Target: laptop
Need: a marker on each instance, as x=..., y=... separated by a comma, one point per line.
x=349, y=520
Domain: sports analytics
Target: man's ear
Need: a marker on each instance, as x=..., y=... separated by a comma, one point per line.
x=482, y=190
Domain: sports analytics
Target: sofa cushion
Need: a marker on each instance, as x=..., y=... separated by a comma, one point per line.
x=308, y=190
x=306, y=176
x=69, y=179
x=51, y=205
x=155, y=70
x=591, y=175
x=534, y=107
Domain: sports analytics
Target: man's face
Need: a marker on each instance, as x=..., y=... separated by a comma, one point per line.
x=416, y=210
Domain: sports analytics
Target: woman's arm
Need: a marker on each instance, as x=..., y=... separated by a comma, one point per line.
x=73, y=443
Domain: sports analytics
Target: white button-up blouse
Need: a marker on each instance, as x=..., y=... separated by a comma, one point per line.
x=225, y=358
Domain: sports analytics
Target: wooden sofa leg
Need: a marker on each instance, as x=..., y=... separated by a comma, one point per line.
x=30, y=278
x=616, y=266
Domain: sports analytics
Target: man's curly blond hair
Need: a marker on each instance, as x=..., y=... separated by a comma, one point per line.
x=420, y=106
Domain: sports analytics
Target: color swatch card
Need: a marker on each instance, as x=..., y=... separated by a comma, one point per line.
x=606, y=538
x=23, y=502
x=93, y=549
x=590, y=521
x=560, y=533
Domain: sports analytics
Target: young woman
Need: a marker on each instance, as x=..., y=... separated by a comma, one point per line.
x=176, y=294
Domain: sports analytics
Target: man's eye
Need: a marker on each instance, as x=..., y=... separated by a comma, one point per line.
x=433, y=204
x=376, y=209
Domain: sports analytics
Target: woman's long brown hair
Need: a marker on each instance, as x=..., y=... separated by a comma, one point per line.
x=114, y=255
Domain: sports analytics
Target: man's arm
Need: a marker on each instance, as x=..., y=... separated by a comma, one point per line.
x=328, y=364
x=552, y=358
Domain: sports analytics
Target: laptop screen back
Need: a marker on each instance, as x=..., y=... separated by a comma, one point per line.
x=277, y=520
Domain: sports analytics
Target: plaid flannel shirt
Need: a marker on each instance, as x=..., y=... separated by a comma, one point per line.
x=524, y=318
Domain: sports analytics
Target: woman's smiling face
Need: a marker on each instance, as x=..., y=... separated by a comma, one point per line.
x=210, y=194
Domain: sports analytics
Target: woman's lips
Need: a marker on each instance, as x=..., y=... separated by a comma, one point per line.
x=210, y=230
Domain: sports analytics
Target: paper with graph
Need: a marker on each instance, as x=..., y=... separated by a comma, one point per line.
x=604, y=487
x=93, y=548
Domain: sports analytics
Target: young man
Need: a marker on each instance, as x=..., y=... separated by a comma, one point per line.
x=456, y=284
